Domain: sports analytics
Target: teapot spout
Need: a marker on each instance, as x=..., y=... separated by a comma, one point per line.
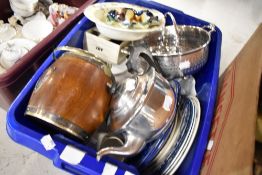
x=132, y=146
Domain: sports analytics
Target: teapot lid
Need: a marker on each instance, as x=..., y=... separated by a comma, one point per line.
x=129, y=98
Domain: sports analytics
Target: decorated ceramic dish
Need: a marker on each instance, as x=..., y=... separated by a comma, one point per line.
x=122, y=21
x=59, y=13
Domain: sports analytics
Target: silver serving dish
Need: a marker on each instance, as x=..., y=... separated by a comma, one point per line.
x=141, y=108
x=179, y=49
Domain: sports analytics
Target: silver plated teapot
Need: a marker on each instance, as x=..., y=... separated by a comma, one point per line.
x=142, y=106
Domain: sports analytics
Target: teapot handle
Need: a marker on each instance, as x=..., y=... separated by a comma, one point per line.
x=137, y=65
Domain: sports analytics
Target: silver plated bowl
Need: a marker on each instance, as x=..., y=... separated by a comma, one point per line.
x=179, y=49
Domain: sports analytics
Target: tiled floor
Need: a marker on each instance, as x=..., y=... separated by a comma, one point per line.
x=236, y=18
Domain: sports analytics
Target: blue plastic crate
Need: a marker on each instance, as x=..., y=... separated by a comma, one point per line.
x=23, y=131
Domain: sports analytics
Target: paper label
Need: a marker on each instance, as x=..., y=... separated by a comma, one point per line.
x=184, y=65
x=167, y=103
x=47, y=142
x=72, y=155
x=109, y=169
x=130, y=84
x=128, y=173
x=210, y=145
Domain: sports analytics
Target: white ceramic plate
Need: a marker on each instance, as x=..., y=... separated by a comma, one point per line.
x=37, y=30
x=96, y=13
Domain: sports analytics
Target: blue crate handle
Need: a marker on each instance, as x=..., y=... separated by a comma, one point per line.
x=97, y=167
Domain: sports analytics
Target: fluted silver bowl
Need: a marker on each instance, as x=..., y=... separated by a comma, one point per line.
x=182, y=53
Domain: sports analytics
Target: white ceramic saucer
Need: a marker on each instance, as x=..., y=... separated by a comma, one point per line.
x=37, y=30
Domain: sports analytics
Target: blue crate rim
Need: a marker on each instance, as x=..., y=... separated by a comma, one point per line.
x=11, y=124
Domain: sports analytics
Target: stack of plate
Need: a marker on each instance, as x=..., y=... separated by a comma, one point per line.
x=183, y=137
x=164, y=155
